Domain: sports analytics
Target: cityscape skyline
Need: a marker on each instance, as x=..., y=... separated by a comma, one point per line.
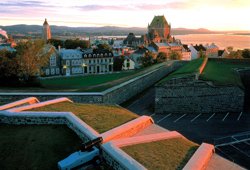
x=213, y=15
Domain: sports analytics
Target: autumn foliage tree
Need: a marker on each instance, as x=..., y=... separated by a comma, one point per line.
x=30, y=58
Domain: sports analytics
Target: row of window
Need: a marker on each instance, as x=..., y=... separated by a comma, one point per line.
x=98, y=55
x=52, y=71
x=94, y=61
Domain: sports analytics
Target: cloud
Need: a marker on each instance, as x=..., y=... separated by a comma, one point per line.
x=24, y=4
x=103, y=7
x=131, y=7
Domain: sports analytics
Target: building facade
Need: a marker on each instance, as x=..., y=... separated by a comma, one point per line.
x=76, y=62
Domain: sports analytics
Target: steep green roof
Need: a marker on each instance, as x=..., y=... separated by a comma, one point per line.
x=159, y=20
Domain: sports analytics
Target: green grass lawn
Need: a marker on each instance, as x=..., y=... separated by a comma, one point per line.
x=222, y=72
x=35, y=146
x=162, y=155
x=187, y=69
x=100, y=117
x=98, y=82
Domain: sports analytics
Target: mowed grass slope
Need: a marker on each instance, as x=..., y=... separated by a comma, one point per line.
x=78, y=82
x=100, y=117
x=98, y=82
x=222, y=72
x=189, y=68
x=162, y=155
x=35, y=146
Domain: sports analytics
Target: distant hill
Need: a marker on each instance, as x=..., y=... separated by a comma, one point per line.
x=36, y=30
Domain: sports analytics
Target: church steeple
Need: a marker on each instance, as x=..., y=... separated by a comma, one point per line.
x=46, y=31
x=45, y=22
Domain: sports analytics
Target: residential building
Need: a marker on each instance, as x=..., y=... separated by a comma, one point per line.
x=132, y=41
x=46, y=31
x=53, y=66
x=128, y=64
x=186, y=53
x=196, y=51
x=76, y=62
x=137, y=55
x=212, y=50
x=223, y=53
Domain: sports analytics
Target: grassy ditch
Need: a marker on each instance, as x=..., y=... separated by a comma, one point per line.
x=164, y=154
x=100, y=117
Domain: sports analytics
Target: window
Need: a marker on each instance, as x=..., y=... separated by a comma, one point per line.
x=77, y=70
x=67, y=62
x=53, y=60
x=47, y=72
x=57, y=71
x=52, y=71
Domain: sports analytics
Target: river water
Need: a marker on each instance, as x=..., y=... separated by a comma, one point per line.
x=221, y=40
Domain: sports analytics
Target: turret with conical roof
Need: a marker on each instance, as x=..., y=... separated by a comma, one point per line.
x=46, y=31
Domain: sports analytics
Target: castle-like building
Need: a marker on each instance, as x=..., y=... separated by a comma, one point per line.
x=159, y=30
x=46, y=31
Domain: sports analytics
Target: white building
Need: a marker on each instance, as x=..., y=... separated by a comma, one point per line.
x=86, y=61
x=128, y=64
x=196, y=51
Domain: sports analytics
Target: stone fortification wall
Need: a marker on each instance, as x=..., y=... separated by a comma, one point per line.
x=197, y=97
x=117, y=94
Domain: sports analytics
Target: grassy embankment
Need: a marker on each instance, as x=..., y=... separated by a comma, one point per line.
x=188, y=69
x=222, y=72
x=35, y=147
x=100, y=117
x=98, y=82
x=165, y=154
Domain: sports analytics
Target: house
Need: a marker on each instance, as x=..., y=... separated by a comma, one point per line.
x=186, y=53
x=90, y=61
x=51, y=56
x=7, y=47
x=137, y=55
x=132, y=41
x=211, y=50
x=196, y=51
x=223, y=53
x=128, y=64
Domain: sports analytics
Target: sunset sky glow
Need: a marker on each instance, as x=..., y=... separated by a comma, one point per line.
x=210, y=14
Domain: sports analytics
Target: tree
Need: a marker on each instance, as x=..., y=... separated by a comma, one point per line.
x=8, y=69
x=147, y=60
x=246, y=53
x=235, y=55
x=30, y=58
x=161, y=57
x=104, y=47
x=56, y=43
x=202, y=54
x=118, y=63
x=73, y=44
x=175, y=56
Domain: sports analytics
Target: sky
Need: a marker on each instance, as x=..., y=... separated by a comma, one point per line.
x=211, y=14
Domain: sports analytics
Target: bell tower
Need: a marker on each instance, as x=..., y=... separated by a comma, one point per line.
x=46, y=31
